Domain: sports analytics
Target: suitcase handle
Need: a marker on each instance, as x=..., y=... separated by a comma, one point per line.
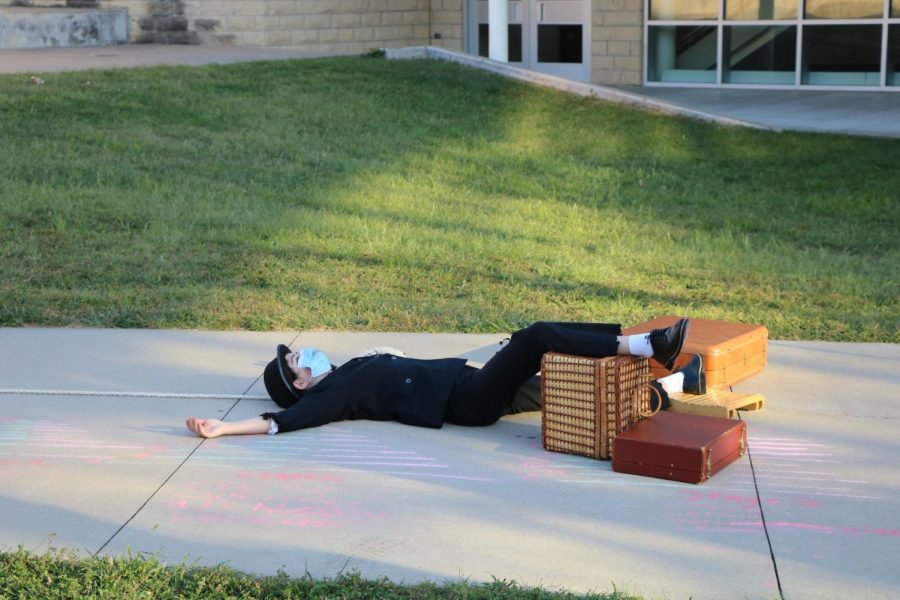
x=658, y=406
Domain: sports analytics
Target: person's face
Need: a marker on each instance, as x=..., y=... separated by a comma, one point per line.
x=302, y=375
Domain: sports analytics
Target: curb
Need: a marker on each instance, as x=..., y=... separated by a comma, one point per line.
x=589, y=90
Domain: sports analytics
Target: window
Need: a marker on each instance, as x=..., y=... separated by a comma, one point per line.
x=842, y=54
x=514, y=41
x=893, y=55
x=683, y=10
x=684, y=54
x=759, y=54
x=844, y=9
x=760, y=10
x=835, y=43
x=559, y=43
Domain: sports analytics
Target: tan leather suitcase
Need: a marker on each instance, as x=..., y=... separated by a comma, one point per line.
x=679, y=447
x=731, y=351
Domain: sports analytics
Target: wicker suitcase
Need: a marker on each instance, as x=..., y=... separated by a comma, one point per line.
x=731, y=351
x=586, y=401
x=679, y=447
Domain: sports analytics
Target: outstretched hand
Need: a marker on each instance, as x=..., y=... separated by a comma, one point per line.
x=207, y=428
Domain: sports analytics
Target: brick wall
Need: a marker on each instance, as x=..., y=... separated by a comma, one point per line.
x=617, y=34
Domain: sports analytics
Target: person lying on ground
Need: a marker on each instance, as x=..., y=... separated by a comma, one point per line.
x=382, y=385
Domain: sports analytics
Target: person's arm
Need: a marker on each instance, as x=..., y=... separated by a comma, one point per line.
x=210, y=428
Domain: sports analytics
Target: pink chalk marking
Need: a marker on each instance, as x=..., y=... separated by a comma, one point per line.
x=342, y=452
x=699, y=496
x=298, y=476
x=152, y=451
x=18, y=462
x=327, y=456
x=813, y=492
x=434, y=475
x=84, y=456
x=748, y=501
x=388, y=464
x=763, y=476
x=820, y=528
x=792, y=454
x=795, y=444
x=93, y=446
x=823, y=473
x=542, y=470
x=238, y=502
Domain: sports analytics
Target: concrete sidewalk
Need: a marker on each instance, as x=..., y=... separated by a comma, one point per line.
x=812, y=509
x=850, y=112
x=125, y=56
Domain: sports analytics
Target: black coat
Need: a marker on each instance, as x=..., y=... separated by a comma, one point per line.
x=379, y=388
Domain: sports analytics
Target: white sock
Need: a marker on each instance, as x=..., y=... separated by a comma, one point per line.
x=673, y=384
x=639, y=345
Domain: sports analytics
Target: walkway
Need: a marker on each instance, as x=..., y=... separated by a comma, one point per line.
x=812, y=510
x=855, y=113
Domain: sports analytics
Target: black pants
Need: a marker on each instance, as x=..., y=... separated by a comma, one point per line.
x=482, y=396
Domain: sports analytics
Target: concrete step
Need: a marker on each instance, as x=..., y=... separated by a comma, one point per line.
x=61, y=27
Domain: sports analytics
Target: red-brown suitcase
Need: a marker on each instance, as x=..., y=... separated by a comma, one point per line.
x=731, y=351
x=680, y=447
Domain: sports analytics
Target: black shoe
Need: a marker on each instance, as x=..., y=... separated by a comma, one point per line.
x=694, y=376
x=663, y=397
x=667, y=343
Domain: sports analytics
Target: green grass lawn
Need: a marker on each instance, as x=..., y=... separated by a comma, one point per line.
x=357, y=193
x=61, y=575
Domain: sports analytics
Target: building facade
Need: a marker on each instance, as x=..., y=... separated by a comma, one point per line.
x=816, y=44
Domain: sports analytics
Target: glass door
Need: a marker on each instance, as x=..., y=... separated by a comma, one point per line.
x=550, y=36
x=561, y=38
x=516, y=15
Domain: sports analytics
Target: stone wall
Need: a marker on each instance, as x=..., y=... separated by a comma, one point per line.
x=447, y=24
x=166, y=22
x=617, y=42
x=322, y=25
x=356, y=26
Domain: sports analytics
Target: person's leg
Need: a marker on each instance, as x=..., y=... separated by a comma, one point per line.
x=483, y=395
x=689, y=379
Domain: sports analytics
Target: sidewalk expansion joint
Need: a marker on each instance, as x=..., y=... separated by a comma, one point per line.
x=172, y=474
x=762, y=516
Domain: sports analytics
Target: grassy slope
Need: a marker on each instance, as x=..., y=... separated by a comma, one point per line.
x=365, y=194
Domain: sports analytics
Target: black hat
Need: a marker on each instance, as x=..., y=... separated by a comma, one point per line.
x=279, y=378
